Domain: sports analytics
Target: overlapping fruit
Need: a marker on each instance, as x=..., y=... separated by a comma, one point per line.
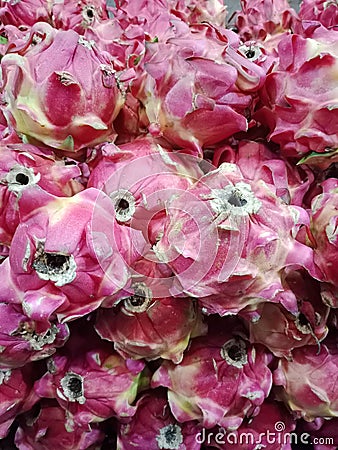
x=169, y=225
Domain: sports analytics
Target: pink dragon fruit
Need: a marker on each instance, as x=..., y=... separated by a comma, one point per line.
x=262, y=54
x=17, y=395
x=67, y=254
x=91, y=382
x=154, y=427
x=24, y=12
x=79, y=15
x=24, y=165
x=220, y=381
x=201, y=67
x=326, y=12
x=272, y=428
x=324, y=228
x=229, y=241
x=67, y=102
x=23, y=340
x=140, y=177
x=257, y=162
x=281, y=331
x=131, y=121
x=260, y=18
x=152, y=15
x=127, y=48
x=145, y=327
x=301, y=113
x=144, y=321
x=10, y=36
x=46, y=430
x=307, y=382
x=198, y=11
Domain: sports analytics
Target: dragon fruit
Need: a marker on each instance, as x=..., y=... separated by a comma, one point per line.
x=151, y=15
x=127, y=48
x=143, y=321
x=22, y=166
x=307, y=382
x=199, y=11
x=168, y=219
x=260, y=18
x=326, y=12
x=324, y=228
x=78, y=16
x=25, y=12
x=17, y=395
x=66, y=103
x=92, y=384
x=220, y=381
x=46, y=430
x=300, y=110
x=23, y=340
x=154, y=427
x=185, y=68
x=143, y=327
x=140, y=177
x=281, y=331
x=11, y=36
x=229, y=241
x=56, y=260
x=257, y=162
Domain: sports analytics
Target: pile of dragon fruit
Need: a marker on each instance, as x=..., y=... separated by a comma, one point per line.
x=169, y=225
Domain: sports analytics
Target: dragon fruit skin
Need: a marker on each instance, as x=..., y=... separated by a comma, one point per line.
x=324, y=228
x=161, y=329
x=93, y=385
x=65, y=102
x=260, y=18
x=325, y=12
x=143, y=321
x=47, y=430
x=220, y=380
x=168, y=223
x=78, y=16
x=257, y=162
x=56, y=259
x=23, y=340
x=299, y=110
x=197, y=11
x=181, y=124
x=153, y=427
x=256, y=243
x=140, y=177
x=17, y=395
x=24, y=165
x=270, y=415
x=150, y=152
x=25, y=12
x=307, y=382
x=177, y=69
x=56, y=176
x=63, y=14
x=281, y=331
x=153, y=16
